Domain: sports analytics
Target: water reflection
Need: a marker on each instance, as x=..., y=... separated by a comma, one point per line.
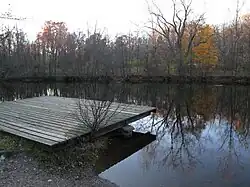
x=202, y=140
x=216, y=151
x=202, y=131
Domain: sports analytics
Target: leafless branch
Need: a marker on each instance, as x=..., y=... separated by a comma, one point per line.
x=96, y=114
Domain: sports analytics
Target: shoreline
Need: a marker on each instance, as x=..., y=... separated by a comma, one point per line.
x=244, y=80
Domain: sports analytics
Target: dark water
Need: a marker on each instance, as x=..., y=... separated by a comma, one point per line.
x=202, y=132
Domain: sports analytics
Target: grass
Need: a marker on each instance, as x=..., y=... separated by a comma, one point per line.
x=67, y=159
x=14, y=143
x=7, y=142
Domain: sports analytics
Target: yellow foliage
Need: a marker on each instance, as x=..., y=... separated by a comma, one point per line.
x=246, y=18
x=205, y=52
x=203, y=48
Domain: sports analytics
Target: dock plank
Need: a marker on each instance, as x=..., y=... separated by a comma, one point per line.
x=32, y=130
x=60, y=130
x=72, y=103
x=65, y=119
x=28, y=136
x=50, y=120
x=66, y=116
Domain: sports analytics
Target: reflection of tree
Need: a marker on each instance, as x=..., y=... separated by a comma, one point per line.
x=181, y=152
x=178, y=135
x=6, y=92
x=231, y=156
x=234, y=107
x=204, y=103
x=232, y=140
x=16, y=90
x=223, y=111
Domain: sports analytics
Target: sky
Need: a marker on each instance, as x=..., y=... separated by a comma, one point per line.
x=111, y=16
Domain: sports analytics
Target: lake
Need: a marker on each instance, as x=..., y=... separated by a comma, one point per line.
x=202, y=131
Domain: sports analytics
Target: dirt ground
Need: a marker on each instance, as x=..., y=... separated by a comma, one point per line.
x=22, y=170
x=28, y=165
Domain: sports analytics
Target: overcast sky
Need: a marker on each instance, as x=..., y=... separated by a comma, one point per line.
x=118, y=16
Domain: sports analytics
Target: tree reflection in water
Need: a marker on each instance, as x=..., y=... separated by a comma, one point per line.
x=178, y=136
x=191, y=120
x=216, y=117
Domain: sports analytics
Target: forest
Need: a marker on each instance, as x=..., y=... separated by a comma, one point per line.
x=180, y=46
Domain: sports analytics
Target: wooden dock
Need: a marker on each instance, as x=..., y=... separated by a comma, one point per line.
x=50, y=120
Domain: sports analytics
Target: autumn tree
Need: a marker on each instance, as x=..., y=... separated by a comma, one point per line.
x=205, y=52
x=52, y=39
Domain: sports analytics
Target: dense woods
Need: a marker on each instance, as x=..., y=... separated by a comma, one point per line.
x=183, y=46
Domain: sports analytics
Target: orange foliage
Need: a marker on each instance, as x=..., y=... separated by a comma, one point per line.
x=53, y=33
x=204, y=103
x=205, y=52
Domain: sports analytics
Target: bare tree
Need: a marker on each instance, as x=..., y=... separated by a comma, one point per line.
x=94, y=115
x=173, y=30
x=168, y=48
x=236, y=38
